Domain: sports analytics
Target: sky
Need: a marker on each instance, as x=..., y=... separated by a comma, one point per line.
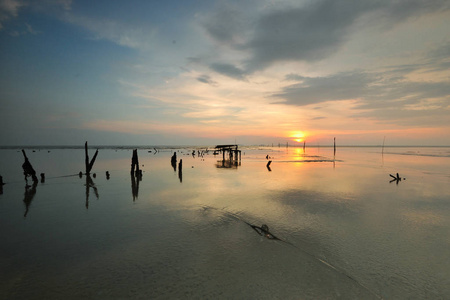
x=205, y=72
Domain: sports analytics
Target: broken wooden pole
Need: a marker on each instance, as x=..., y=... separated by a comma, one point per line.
x=91, y=164
x=28, y=168
x=173, y=161
x=304, y=145
x=135, y=163
x=88, y=164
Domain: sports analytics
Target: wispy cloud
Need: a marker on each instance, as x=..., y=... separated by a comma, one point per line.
x=115, y=31
x=9, y=9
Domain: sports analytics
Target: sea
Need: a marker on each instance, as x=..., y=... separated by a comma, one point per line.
x=268, y=223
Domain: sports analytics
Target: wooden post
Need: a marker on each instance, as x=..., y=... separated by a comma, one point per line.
x=1, y=185
x=335, y=146
x=28, y=168
x=304, y=145
x=180, y=170
x=135, y=163
x=86, y=158
x=88, y=164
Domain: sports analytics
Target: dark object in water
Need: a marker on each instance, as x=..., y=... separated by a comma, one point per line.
x=263, y=231
x=107, y=175
x=135, y=164
x=42, y=177
x=88, y=164
x=397, y=178
x=173, y=161
x=30, y=191
x=28, y=169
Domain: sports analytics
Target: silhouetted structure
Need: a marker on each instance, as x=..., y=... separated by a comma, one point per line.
x=28, y=169
x=268, y=166
x=233, y=154
x=88, y=164
x=135, y=164
x=180, y=170
x=173, y=161
x=334, y=146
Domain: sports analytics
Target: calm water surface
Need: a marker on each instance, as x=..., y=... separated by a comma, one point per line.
x=345, y=230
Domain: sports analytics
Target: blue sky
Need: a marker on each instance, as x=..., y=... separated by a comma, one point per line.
x=207, y=72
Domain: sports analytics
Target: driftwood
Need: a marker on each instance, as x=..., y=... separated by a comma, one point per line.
x=396, y=178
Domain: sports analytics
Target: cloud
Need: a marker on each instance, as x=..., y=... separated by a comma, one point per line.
x=310, y=32
x=9, y=9
x=117, y=32
x=228, y=70
x=206, y=79
x=389, y=96
x=225, y=25
x=310, y=90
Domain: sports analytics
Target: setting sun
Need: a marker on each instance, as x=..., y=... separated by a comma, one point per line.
x=298, y=136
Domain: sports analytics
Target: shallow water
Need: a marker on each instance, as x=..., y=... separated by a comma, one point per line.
x=345, y=230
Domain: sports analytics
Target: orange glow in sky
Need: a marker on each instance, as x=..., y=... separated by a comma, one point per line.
x=297, y=136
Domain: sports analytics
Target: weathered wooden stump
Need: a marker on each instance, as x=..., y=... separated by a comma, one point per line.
x=28, y=169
